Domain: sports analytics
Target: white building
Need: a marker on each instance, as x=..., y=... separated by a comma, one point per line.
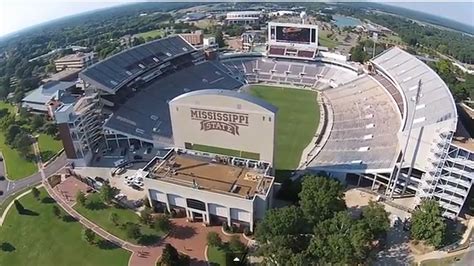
x=209, y=188
x=78, y=60
x=243, y=17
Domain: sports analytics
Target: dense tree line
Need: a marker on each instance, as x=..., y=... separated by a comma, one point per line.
x=320, y=230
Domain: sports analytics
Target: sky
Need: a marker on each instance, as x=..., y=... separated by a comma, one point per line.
x=19, y=14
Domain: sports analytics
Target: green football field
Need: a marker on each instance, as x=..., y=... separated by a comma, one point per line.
x=297, y=121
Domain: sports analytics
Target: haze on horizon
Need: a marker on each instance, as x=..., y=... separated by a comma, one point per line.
x=17, y=15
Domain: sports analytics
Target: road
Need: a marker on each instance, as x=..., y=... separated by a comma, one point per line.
x=8, y=187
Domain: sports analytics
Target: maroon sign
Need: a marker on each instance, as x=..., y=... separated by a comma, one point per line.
x=219, y=120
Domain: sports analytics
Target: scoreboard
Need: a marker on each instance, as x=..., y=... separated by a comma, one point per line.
x=302, y=35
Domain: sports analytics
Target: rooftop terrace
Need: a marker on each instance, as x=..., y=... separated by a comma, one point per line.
x=216, y=174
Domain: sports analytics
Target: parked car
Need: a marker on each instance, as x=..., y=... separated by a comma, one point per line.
x=127, y=182
x=136, y=187
x=1, y=159
x=119, y=196
x=120, y=171
x=137, y=157
x=120, y=162
x=100, y=179
x=138, y=183
x=2, y=177
x=128, y=165
x=1, y=192
x=138, y=203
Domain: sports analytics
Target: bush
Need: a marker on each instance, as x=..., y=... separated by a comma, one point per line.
x=162, y=223
x=213, y=239
x=56, y=211
x=225, y=227
x=146, y=202
x=114, y=218
x=133, y=230
x=247, y=231
x=88, y=235
x=235, y=245
x=146, y=217
x=35, y=192
x=54, y=180
x=81, y=198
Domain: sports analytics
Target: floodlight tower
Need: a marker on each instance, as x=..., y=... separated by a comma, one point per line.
x=303, y=16
x=402, y=160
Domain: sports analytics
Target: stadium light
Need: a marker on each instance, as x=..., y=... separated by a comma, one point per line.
x=402, y=161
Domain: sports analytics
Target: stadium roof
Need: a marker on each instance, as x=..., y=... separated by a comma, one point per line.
x=112, y=73
x=436, y=103
x=237, y=94
x=146, y=115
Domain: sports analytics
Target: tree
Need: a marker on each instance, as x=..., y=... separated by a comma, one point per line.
x=235, y=245
x=22, y=143
x=37, y=121
x=320, y=198
x=340, y=240
x=51, y=129
x=11, y=132
x=358, y=54
x=287, y=221
x=19, y=207
x=162, y=223
x=88, y=235
x=220, y=38
x=213, y=239
x=107, y=193
x=132, y=230
x=171, y=257
x=376, y=219
x=146, y=217
x=35, y=192
x=428, y=223
x=114, y=218
x=81, y=198
x=56, y=211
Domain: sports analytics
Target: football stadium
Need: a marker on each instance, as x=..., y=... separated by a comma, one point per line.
x=236, y=122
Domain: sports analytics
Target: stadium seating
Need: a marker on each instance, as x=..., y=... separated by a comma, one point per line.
x=145, y=114
x=364, y=128
x=315, y=74
x=113, y=72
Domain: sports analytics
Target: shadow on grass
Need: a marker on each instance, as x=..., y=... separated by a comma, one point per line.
x=105, y=244
x=182, y=232
x=7, y=247
x=283, y=174
x=95, y=205
x=48, y=200
x=148, y=239
x=28, y=212
x=69, y=219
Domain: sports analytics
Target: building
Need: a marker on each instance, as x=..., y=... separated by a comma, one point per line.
x=194, y=38
x=69, y=74
x=80, y=128
x=243, y=17
x=210, y=188
x=45, y=98
x=78, y=60
x=224, y=120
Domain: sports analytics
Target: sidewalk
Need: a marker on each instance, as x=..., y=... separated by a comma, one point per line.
x=141, y=255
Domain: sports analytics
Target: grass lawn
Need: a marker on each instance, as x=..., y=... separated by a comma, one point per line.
x=297, y=121
x=216, y=256
x=40, y=238
x=100, y=213
x=325, y=41
x=152, y=33
x=17, y=166
x=48, y=146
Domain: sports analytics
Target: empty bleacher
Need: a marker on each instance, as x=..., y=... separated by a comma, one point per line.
x=364, y=129
x=314, y=74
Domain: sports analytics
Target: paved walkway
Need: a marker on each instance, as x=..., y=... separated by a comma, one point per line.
x=188, y=238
